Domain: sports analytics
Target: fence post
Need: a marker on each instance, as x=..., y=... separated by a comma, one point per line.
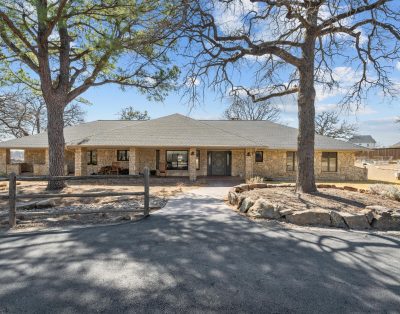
x=146, y=192
x=12, y=191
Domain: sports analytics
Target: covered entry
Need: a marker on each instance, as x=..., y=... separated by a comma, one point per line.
x=219, y=163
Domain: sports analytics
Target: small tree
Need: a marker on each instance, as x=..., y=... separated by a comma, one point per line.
x=23, y=113
x=129, y=113
x=63, y=48
x=328, y=123
x=289, y=47
x=243, y=108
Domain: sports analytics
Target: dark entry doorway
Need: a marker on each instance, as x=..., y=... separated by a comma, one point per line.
x=219, y=163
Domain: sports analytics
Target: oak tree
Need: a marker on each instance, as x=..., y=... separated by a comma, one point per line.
x=271, y=48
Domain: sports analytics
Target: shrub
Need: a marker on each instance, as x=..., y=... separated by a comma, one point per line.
x=386, y=190
x=255, y=180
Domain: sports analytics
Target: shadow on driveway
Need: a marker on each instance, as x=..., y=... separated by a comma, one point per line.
x=197, y=255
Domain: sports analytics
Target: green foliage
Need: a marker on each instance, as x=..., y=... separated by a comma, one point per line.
x=107, y=41
x=129, y=113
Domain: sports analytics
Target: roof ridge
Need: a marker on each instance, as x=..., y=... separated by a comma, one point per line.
x=231, y=133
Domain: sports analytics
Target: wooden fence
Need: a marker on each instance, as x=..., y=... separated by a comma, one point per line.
x=13, y=196
x=380, y=154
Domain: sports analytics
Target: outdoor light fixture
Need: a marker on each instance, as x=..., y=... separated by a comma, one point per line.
x=192, y=153
x=248, y=154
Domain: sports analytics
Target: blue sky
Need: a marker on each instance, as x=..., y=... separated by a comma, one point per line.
x=376, y=117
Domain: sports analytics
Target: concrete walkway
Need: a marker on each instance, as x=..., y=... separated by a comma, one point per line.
x=196, y=255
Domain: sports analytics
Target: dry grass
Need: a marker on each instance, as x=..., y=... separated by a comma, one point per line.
x=163, y=191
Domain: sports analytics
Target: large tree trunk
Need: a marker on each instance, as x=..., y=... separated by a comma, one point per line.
x=55, y=130
x=306, y=114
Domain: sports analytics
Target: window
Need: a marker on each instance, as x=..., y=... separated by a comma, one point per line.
x=122, y=155
x=259, y=156
x=197, y=160
x=177, y=159
x=329, y=162
x=290, y=161
x=92, y=157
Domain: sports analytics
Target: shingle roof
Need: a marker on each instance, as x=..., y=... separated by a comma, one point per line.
x=181, y=131
x=362, y=139
x=397, y=145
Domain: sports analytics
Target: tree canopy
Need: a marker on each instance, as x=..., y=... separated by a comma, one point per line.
x=129, y=113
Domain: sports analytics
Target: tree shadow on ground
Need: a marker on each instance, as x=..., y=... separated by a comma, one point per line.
x=202, y=258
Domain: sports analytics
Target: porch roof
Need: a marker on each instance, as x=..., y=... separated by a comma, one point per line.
x=180, y=131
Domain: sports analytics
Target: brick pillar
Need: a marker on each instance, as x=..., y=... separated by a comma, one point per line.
x=249, y=162
x=80, y=162
x=192, y=164
x=4, y=160
x=133, y=167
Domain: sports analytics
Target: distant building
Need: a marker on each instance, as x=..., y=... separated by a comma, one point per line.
x=363, y=140
x=397, y=145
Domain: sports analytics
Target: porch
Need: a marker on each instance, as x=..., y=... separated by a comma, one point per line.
x=192, y=163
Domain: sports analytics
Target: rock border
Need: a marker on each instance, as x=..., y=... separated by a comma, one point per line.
x=371, y=217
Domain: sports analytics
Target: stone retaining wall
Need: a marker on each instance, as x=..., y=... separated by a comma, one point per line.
x=372, y=217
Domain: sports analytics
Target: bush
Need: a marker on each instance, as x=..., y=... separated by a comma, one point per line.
x=255, y=180
x=386, y=190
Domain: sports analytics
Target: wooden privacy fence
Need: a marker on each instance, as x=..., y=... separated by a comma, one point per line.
x=13, y=196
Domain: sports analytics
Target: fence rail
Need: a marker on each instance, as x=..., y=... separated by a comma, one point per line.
x=13, y=196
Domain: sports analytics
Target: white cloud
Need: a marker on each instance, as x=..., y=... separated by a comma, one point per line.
x=398, y=65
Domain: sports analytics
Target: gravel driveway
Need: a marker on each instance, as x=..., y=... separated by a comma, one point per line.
x=196, y=255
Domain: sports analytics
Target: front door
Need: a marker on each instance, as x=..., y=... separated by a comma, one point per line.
x=219, y=163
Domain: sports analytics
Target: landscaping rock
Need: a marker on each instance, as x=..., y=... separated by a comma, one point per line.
x=253, y=186
x=27, y=206
x=309, y=217
x=264, y=209
x=233, y=198
x=240, y=200
x=356, y=221
x=350, y=188
x=246, y=204
x=378, y=209
x=369, y=213
x=387, y=222
x=285, y=212
x=241, y=188
x=46, y=203
x=337, y=219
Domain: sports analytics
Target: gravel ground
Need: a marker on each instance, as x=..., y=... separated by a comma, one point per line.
x=69, y=214
x=328, y=199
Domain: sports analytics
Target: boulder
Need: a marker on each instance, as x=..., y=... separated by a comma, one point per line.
x=264, y=209
x=369, y=213
x=232, y=198
x=46, y=203
x=240, y=200
x=337, y=219
x=387, y=222
x=378, y=209
x=356, y=221
x=285, y=211
x=309, y=217
x=241, y=188
x=246, y=204
x=27, y=206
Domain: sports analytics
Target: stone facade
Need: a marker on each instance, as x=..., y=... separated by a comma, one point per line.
x=274, y=166
x=243, y=163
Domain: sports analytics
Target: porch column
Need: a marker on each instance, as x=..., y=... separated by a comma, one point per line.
x=4, y=160
x=80, y=162
x=46, y=162
x=192, y=164
x=249, y=162
x=133, y=169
